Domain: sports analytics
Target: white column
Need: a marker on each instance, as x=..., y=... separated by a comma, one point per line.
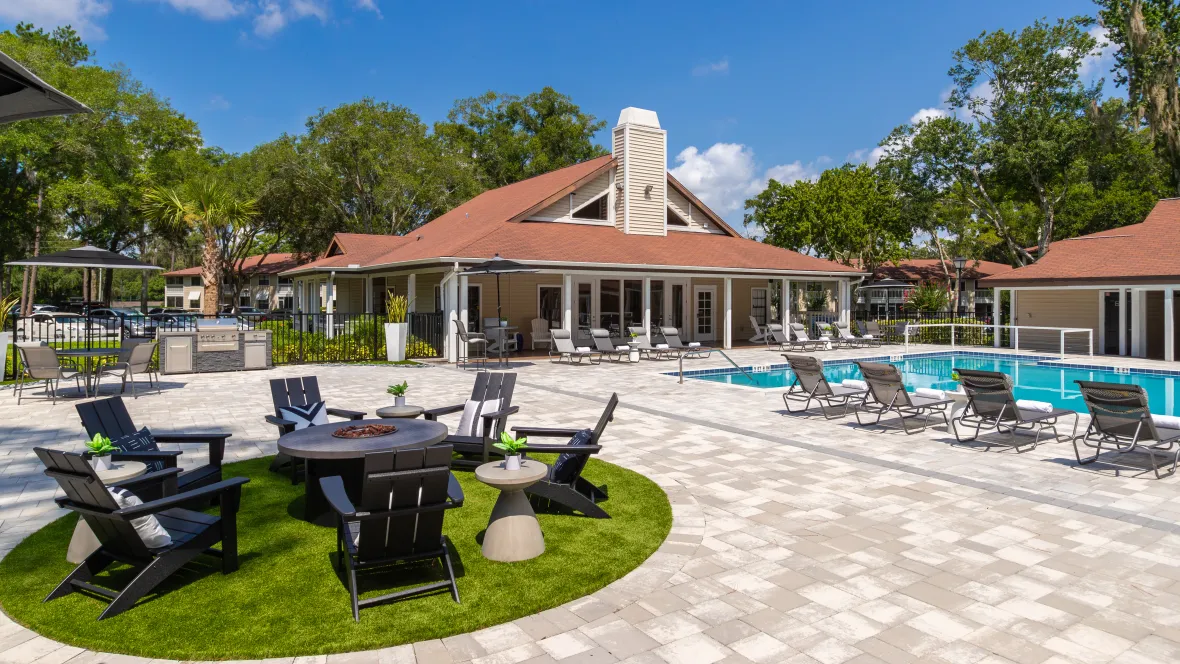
x=367, y=295
x=1123, y=321
x=785, y=304
x=412, y=290
x=464, y=305
x=647, y=306
x=330, y=295
x=997, y=310
x=451, y=313
x=567, y=296
x=1169, y=331
x=1014, y=318
x=1137, y=345
x=727, y=329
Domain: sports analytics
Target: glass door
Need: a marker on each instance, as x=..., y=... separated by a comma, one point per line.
x=1110, y=323
x=610, y=305
x=583, y=313
x=657, y=303
x=676, y=320
x=705, y=298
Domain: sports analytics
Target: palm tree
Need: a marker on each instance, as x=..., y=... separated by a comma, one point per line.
x=206, y=207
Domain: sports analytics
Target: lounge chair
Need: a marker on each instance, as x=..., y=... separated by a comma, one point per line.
x=1120, y=419
x=992, y=406
x=605, y=345
x=646, y=348
x=804, y=342
x=563, y=349
x=845, y=333
x=299, y=398
x=484, y=418
x=116, y=522
x=890, y=396
x=870, y=330
x=775, y=338
x=759, y=331
x=814, y=386
x=828, y=333
x=564, y=483
x=690, y=350
x=398, y=519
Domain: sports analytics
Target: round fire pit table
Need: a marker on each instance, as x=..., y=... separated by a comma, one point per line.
x=396, y=412
x=513, y=533
x=327, y=455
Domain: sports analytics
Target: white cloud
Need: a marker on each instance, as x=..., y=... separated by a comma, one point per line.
x=303, y=8
x=1099, y=62
x=218, y=103
x=270, y=20
x=83, y=15
x=213, y=10
x=925, y=114
x=370, y=5
x=726, y=174
x=719, y=67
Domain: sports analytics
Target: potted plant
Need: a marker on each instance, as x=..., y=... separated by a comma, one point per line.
x=512, y=447
x=99, y=448
x=397, y=330
x=399, y=393
x=6, y=306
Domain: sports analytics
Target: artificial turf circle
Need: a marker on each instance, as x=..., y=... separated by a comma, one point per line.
x=287, y=600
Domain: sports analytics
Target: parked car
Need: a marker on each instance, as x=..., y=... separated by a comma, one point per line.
x=60, y=326
x=133, y=323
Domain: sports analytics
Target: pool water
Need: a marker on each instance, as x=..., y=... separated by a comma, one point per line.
x=1033, y=378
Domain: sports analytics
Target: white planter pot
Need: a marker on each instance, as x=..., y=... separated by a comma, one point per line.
x=399, y=401
x=100, y=463
x=512, y=462
x=395, y=341
x=5, y=339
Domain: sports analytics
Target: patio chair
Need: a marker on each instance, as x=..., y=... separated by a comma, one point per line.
x=484, y=417
x=605, y=345
x=299, y=396
x=138, y=361
x=117, y=517
x=563, y=349
x=759, y=331
x=110, y=418
x=829, y=334
x=845, y=333
x=564, y=484
x=398, y=520
x=474, y=343
x=803, y=342
x=40, y=364
x=992, y=406
x=888, y=390
x=1120, y=419
x=775, y=336
x=690, y=350
x=646, y=348
x=540, y=333
x=813, y=385
x=869, y=329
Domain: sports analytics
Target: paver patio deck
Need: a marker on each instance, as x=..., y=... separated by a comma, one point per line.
x=795, y=539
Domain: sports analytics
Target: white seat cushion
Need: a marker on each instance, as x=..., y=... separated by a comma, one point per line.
x=311, y=415
x=147, y=527
x=930, y=393
x=661, y=346
x=1166, y=421
x=583, y=349
x=622, y=347
x=694, y=344
x=1035, y=406
x=855, y=384
x=470, y=422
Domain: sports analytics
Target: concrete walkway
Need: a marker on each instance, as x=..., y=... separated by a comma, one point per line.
x=795, y=539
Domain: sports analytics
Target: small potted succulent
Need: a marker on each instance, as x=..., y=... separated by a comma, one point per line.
x=399, y=393
x=512, y=448
x=99, y=448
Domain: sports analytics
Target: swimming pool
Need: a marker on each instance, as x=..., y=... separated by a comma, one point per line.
x=1035, y=377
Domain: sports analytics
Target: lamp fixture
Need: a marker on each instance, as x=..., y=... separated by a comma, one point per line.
x=960, y=262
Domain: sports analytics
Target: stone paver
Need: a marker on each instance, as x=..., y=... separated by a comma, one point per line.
x=795, y=539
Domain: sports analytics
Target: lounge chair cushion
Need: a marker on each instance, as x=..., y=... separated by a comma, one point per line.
x=569, y=466
x=1166, y=421
x=622, y=347
x=662, y=346
x=470, y=422
x=930, y=393
x=583, y=349
x=147, y=527
x=1034, y=406
x=311, y=415
x=694, y=344
x=140, y=441
x=855, y=384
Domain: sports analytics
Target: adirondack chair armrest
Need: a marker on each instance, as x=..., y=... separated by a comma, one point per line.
x=285, y=426
x=166, y=477
x=434, y=413
x=337, y=497
x=544, y=431
x=215, y=440
x=503, y=412
x=232, y=488
x=349, y=414
x=455, y=491
x=167, y=456
x=564, y=449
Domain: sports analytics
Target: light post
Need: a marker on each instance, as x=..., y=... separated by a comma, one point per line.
x=960, y=262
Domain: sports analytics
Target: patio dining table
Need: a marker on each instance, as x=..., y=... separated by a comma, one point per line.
x=92, y=361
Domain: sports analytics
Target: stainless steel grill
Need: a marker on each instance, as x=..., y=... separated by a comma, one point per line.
x=217, y=334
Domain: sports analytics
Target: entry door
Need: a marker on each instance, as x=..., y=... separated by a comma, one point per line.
x=583, y=312
x=1110, y=324
x=706, y=299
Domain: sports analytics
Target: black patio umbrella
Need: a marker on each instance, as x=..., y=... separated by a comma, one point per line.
x=85, y=256
x=24, y=96
x=498, y=266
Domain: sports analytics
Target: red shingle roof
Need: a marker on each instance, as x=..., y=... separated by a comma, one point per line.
x=494, y=222
x=929, y=269
x=274, y=264
x=1147, y=252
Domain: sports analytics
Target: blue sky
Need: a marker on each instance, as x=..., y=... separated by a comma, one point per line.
x=746, y=91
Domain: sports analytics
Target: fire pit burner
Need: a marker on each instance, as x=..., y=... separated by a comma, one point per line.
x=364, y=431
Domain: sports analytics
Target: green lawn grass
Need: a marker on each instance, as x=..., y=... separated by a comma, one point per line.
x=287, y=600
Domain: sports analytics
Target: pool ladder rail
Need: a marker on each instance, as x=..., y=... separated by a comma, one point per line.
x=728, y=358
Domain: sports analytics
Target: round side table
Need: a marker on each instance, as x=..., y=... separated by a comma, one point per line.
x=397, y=412
x=83, y=543
x=513, y=533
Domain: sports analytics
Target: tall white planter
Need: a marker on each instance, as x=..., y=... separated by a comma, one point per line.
x=395, y=341
x=5, y=339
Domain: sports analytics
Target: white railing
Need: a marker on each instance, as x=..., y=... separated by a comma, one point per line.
x=1062, y=331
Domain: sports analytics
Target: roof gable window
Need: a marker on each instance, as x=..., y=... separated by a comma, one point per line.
x=674, y=219
x=595, y=210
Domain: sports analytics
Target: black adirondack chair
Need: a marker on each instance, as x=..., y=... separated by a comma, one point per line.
x=564, y=483
x=297, y=392
x=488, y=386
x=404, y=498
x=110, y=418
x=193, y=533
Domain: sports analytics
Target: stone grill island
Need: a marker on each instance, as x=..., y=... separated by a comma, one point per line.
x=214, y=345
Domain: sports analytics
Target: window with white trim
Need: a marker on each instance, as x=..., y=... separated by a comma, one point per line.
x=595, y=210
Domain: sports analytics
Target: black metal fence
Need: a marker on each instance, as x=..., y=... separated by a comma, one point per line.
x=298, y=338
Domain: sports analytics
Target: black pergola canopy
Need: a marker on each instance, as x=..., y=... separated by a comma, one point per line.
x=83, y=257
x=23, y=96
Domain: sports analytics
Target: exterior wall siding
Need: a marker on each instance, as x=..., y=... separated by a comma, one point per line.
x=619, y=142
x=646, y=166
x=1056, y=308
x=681, y=205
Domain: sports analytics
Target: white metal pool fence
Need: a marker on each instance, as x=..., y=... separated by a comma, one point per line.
x=1034, y=335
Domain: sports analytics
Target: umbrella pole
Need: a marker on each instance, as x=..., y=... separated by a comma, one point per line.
x=497, y=297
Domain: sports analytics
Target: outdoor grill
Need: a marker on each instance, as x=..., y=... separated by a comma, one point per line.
x=217, y=334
